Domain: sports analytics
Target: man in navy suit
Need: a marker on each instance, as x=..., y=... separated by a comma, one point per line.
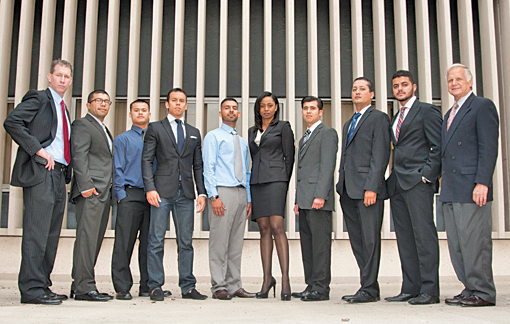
x=469, y=152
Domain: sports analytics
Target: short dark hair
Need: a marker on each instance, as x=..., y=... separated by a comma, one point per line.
x=371, y=87
x=228, y=99
x=403, y=73
x=176, y=90
x=64, y=63
x=139, y=101
x=91, y=95
x=310, y=99
x=256, y=108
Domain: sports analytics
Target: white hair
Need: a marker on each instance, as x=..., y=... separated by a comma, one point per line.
x=467, y=72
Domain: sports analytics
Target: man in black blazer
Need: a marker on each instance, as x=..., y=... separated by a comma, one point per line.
x=365, y=155
x=315, y=199
x=177, y=147
x=91, y=191
x=416, y=138
x=40, y=125
x=469, y=149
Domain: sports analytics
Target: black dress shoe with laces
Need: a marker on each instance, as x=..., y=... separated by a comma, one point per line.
x=52, y=295
x=300, y=294
x=194, y=294
x=402, y=297
x=124, y=295
x=347, y=297
x=93, y=295
x=43, y=300
x=363, y=297
x=315, y=296
x=424, y=299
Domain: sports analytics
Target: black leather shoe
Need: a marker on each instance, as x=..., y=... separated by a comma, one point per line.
x=300, y=294
x=43, y=300
x=424, y=299
x=314, y=296
x=166, y=293
x=93, y=296
x=52, y=295
x=347, y=297
x=455, y=301
x=157, y=295
x=402, y=297
x=363, y=297
x=124, y=295
x=475, y=301
x=194, y=294
x=72, y=294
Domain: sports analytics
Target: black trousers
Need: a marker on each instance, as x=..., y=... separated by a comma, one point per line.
x=42, y=221
x=133, y=219
x=315, y=228
x=416, y=232
x=364, y=228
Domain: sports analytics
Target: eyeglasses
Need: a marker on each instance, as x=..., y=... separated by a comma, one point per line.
x=100, y=101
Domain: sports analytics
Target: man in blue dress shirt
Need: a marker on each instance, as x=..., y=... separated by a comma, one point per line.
x=227, y=181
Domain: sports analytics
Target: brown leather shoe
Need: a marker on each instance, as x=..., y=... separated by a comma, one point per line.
x=244, y=294
x=455, y=301
x=221, y=294
x=475, y=301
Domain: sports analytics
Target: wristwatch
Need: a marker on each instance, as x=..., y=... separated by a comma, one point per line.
x=213, y=198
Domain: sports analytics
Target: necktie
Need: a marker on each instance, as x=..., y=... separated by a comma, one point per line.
x=65, y=129
x=306, y=137
x=180, y=135
x=143, y=134
x=452, y=115
x=238, y=161
x=352, y=127
x=400, y=121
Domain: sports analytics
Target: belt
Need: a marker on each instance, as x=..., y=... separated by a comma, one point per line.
x=131, y=187
x=60, y=167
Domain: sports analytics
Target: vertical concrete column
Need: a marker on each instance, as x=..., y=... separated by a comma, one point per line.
x=23, y=66
x=46, y=47
x=89, y=53
x=178, y=42
x=402, y=48
x=268, y=33
x=424, y=62
x=223, y=51
x=112, y=48
x=157, y=31
x=357, y=39
x=292, y=115
x=245, y=70
x=444, y=31
x=134, y=57
x=313, y=73
x=68, y=41
x=336, y=99
x=466, y=37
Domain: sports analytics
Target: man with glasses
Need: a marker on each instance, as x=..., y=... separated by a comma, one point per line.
x=91, y=191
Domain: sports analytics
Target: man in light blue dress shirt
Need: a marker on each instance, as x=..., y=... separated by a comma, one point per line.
x=227, y=181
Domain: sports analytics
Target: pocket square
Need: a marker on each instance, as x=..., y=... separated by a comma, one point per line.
x=191, y=136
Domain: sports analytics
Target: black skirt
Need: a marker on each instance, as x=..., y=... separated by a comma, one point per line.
x=268, y=199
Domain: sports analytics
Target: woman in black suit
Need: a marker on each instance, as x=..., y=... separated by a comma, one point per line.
x=272, y=152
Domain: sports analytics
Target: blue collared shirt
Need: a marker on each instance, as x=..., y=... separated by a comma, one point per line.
x=218, y=157
x=56, y=148
x=128, y=160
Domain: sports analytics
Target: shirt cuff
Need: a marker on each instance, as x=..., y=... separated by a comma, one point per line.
x=423, y=178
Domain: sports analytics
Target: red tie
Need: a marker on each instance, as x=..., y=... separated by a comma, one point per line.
x=67, y=149
x=399, y=124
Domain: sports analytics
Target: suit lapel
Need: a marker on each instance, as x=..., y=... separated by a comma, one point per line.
x=464, y=109
x=186, y=138
x=100, y=129
x=360, y=122
x=168, y=128
x=413, y=111
x=54, y=123
x=268, y=129
x=316, y=131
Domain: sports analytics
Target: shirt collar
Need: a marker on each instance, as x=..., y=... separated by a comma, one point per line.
x=172, y=118
x=410, y=103
x=137, y=129
x=227, y=128
x=463, y=99
x=100, y=122
x=362, y=111
x=314, y=126
x=55, y=95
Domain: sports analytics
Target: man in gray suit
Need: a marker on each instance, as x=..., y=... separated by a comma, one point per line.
x=91, y=191
x=469, y=150
x=365, y=155
x=40, y=125
x=315, y=199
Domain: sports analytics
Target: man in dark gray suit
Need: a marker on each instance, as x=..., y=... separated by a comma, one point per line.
x=416, y=138
x=315, y=199
x=40, y=125
x=365, y=155
x=91, y=191
x=469, y=149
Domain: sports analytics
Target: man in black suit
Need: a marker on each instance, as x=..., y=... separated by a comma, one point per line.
x=416, y=138
x=469, y=149
x=315, y=199
x=177, y=147
x=40, y=125
x=365, y=155
x=91, y=191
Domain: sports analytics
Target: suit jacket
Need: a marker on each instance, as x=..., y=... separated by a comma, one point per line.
x=32, y=125
x=273, y=159
x=93, y=159
x=316, y=168
x=160, y=142
x=417, y=153
x=469, y=150
x=365, y=158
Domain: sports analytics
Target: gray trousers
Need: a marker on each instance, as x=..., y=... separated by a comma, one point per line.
x=226, y=240
x=469, y=229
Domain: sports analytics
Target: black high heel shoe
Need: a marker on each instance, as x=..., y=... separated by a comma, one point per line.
x=285, y=296
x=264, y=294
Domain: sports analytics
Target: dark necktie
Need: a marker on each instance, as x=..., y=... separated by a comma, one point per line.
x=399, y=123
x=180, y=135
x=352, y=127
x=65, y=130
x=306, y=137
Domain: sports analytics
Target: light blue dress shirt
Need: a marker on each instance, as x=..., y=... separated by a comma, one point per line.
x=56, y=148
x=218, y=158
